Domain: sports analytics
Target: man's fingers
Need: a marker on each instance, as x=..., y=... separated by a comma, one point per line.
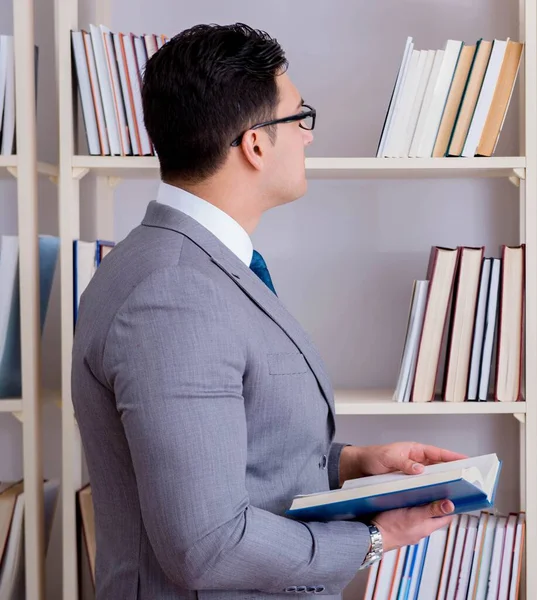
x=437, y=509
x=432, y=454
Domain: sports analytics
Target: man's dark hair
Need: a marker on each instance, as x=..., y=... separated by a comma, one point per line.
x=202, y=89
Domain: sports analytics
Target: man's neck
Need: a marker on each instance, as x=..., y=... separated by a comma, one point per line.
x=227, y=198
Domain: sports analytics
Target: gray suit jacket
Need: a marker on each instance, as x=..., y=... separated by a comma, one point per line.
x=203, y=409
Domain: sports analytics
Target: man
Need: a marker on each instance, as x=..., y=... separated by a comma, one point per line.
x=202, y=404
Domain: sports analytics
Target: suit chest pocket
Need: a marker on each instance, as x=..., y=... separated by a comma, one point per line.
x=287, y=363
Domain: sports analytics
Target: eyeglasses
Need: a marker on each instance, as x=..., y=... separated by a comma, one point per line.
x=306, y=118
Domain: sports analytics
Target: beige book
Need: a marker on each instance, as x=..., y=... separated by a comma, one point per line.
x=454, y=101
x=471, y=95
x=500, y=100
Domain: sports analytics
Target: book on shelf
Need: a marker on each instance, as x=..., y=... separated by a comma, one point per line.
x=477, y=556
x=10, y=315
x=451, y=101
x=8, y=144
x=109, y=67
x=469, y=483
x=464, y=335
x=87, y=256
x=12, y=570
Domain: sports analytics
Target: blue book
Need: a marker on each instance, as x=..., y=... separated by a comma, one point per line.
x=10, y=343
x=470, y=484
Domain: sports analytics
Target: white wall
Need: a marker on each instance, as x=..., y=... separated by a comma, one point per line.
x=342, y=258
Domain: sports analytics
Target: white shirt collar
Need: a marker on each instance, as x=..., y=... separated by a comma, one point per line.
x=219, y=223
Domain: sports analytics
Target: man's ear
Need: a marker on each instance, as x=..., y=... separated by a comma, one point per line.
x=253, y=148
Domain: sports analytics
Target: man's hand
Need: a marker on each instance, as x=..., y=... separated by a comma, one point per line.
x=407, y=526
x=408, y=457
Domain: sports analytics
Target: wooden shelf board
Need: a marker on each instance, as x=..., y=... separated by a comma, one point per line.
x=10, y=405
x=379, y=402
x=10, y=162
x=146, y=167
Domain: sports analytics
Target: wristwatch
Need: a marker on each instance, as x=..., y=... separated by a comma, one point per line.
x=375, y=547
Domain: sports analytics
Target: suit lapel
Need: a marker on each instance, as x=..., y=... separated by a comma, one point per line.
x=259, y=293
x=159, y=215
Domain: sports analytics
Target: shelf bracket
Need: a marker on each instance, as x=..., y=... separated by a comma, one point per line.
x=54, y=179
x=113, y=182
x=517, y=175
x=18, y=415
x=12, y=171
x=79, y=172
x=521, y=417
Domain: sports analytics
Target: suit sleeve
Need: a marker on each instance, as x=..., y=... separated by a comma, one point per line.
x=334, y=457
x=175, y=360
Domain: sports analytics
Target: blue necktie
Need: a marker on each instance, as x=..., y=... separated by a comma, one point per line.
x=259, y=267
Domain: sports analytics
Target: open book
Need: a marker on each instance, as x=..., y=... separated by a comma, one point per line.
x=469, y=483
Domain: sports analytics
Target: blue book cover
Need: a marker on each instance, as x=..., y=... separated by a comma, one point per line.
x=10, y=361
x=466, y=494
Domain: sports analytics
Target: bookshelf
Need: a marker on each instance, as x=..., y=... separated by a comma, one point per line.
x=25, y=169
x=110, y=170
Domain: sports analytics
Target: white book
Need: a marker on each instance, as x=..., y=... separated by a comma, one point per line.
x=439, y=97
x=397, y=103
x=484, y=100
x=479, y=328
x=496, y=560
x=96, y=94
x=448, y=555
x=385, y=575
x=517, y=557
x=84, y=89
x=3, y=75
x=126, y=92
x=412, y=339
x=432, y=568
x=134, y=77
x=119, y=104
x=507, y=557
x=467, y=555
x=490, y=329
x=427, y=99
x=478, y=553
x=418, y=101
x=371, y=581
x=105, y=85
x=9, y=264
x=402, y=110
x=486, y=558
x=398, y=572
x=456, y=560
x=387, y=123
x=8, y=125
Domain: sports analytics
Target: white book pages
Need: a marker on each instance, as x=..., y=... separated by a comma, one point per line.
x=105, y=85
x=134, y=77
x=393, y=99
x=426, y=105
x=119, y=105
x=485, y=98
x=408, y=90
x=126, y=91
x=418, y=102
x=96, y=94
x=8, y=125
x=410, y=352
x=397, y=103
x=438, y=101
x=479, y=328
x=84, y=90
x=490, y=329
